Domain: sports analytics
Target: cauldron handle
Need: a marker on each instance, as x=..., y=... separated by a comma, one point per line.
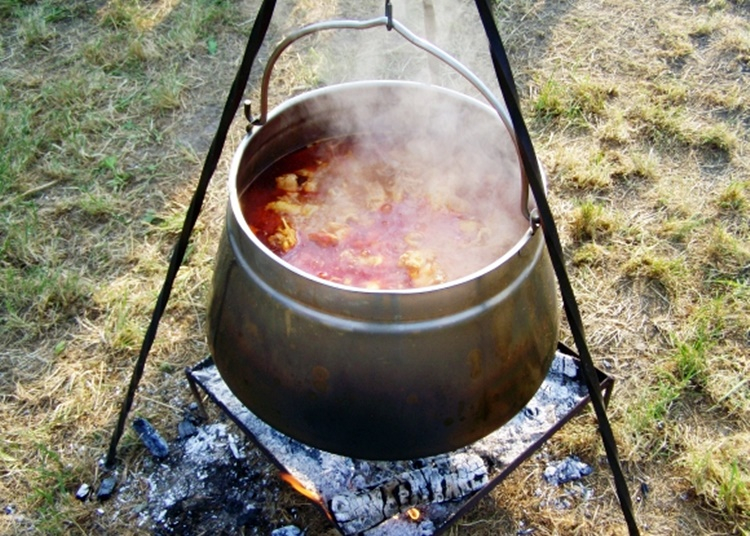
x=425, y=45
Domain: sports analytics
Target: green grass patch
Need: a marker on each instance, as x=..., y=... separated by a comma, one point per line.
x=690, y=361
x=685, y=369
x=18, y=142
x=98, y=205
x=112, y=171
x=36, y=298
x=20, y=245
x=192, y=26
x=668, y=122
x=34, y=29
x=718, y=136
x=122, y=328
x=670, y=92
x=734, y=198
x=119, y=54
x=727, y=256
x=616, y=128
x=9, y=8
x=589, y=254
x=725, y=314
x=591, y=221
x=166, y=93
x=718, y=5
x=729, y=97
x=667, y=271
x=648, y=416
x=737, y=43
x=585, y=169
x=708, y=356
x=680, y=377
x=119, y=15
x=662, y=124
x=643, y=165
x=680, y=230
x=719, y=471
x=675, y=43
x=577, y=102
x=49, y=489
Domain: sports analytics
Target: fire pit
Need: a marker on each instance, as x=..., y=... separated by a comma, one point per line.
x=413, y=497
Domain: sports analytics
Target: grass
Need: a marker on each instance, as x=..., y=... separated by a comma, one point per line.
x=85, y=100
x=52, y=480
x=577, y=103
x=734, y=198
x=106, y=111
x=720, y=476
x=667, y=152
x=591, y=221
x=664, y=270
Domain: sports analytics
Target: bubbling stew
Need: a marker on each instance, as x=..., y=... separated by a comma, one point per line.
x=365, y=212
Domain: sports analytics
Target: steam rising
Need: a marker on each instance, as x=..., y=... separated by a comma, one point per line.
x=376, y=54
x=452, y=25
x=473, y=164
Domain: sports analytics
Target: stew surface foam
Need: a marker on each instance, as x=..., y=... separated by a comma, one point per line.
x=367, y=213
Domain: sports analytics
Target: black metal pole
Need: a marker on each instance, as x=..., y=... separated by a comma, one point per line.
x=255, y=41
x=531, y=168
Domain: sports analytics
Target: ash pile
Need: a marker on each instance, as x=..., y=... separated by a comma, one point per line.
x=210, y=480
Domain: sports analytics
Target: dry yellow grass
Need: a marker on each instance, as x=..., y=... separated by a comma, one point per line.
x=638, y=110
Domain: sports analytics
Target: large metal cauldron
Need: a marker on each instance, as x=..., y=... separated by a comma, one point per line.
x=381, y=374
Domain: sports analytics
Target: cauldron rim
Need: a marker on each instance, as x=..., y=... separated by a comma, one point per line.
x=234, y=190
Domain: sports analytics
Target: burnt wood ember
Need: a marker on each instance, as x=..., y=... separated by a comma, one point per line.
x=150, y=437
x=369, y=497
x=83, y=492
x=567, y=470
x=186, y=428
x=447, y=478
x=106, y=488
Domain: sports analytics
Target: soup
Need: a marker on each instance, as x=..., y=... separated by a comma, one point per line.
x=363, y=212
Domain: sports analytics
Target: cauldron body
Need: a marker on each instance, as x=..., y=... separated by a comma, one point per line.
x=379, y=374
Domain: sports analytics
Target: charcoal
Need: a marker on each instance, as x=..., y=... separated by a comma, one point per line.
x=289, y=530
x=249, y=516
x=569, y=469
x=186, y=428
x=83, y=492
x=106, y=488
x=214, y=483
x=645, y=490
x=447, y=478
x=150, y=437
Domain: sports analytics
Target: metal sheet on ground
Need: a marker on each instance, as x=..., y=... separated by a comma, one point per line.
x=413, y=497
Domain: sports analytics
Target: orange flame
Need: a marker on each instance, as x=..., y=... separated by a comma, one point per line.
x=297, y=485
x=414, y=514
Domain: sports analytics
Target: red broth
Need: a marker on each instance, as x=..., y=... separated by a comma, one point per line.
x=363, y=213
